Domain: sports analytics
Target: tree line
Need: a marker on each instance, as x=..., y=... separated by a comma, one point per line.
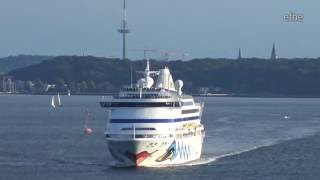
x=283, y=77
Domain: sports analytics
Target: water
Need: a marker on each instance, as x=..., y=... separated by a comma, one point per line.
x=246, y=138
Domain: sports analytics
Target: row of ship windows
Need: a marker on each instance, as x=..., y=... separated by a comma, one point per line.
x=147, y=104
x=135, y=89
x=143, y=96
x=189, y=134
x=188, y=103
x=144, y=136
x=139, y=136
x=189, y=111
x=138, y=129
x=139, y=104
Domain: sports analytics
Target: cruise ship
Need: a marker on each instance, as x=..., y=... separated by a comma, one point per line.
x=154, y=124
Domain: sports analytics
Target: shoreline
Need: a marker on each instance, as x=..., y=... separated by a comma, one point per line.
x=194, y=95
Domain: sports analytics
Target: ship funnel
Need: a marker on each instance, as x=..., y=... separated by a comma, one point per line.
x=165, y=80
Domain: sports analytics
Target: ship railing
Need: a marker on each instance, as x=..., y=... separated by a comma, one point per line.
x=134, y=136
x=190, y=131
x=145, y=93
x=178, y=134
x=143, y=96
x=137, y=89
x=139, y=104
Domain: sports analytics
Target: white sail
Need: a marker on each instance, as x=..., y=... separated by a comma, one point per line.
x=52, y=102
x=69, y=93
x=86, y=119
x=58, y=99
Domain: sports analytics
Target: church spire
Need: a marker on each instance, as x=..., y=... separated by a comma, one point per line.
x=273, y=52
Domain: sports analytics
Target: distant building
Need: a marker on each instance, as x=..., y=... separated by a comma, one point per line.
x=47, y=87
x=273, y=52
x=8, y=84
x=204, y=90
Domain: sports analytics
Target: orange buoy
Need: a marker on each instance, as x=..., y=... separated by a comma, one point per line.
x=87, y=130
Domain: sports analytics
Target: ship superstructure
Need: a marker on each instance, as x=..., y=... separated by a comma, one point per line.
x=154, y=123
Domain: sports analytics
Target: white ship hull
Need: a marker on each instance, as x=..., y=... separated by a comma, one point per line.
x=156, y=152
x=155, y=136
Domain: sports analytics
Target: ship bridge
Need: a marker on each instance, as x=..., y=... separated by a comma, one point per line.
x=146, y=93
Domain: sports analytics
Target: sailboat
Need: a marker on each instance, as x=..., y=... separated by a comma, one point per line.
x=59, y=100
x=56, y=101
x=69, y=93
x=53, y=102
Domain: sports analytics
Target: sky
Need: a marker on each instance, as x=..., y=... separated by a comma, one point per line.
x=205, y=28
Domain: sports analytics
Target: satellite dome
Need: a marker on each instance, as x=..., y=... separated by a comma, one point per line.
x=179, y=84
x=149, y=82
x=141, y=82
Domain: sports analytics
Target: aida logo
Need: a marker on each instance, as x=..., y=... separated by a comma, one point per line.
x=293, y=17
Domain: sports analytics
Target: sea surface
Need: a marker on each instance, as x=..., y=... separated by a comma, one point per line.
x=246, y=138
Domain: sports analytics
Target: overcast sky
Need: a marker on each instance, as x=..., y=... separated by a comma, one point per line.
x=204, y=28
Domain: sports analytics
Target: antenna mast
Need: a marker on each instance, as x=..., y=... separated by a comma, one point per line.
x=131, y=78
x=124, y=30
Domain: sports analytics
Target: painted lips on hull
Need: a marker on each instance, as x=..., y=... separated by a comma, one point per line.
x=137, y=159
x=142, y=156
x=136, y=153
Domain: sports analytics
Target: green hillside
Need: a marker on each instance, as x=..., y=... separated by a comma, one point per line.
x=284, y=77
x=13, y=62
